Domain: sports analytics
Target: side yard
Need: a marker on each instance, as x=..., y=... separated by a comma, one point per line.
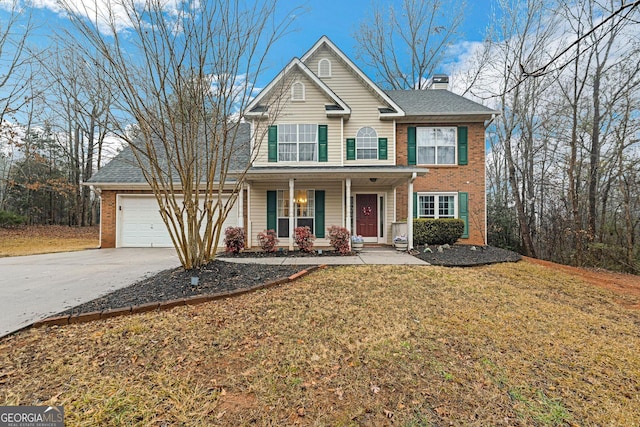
x=507, y=344
x=31, y=240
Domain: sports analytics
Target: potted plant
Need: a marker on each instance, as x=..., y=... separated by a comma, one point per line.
x=357, y=243
x=401, y=242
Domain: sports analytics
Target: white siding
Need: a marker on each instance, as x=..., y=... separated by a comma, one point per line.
x=332, y=213
x=363, y=102
x=311, y=111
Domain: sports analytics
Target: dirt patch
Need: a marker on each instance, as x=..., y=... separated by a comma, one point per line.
x=625, y=285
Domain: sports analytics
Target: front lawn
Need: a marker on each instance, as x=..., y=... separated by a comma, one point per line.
x=42, y=239
x=507, y=344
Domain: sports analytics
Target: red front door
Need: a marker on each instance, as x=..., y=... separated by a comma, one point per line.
x=367, y=215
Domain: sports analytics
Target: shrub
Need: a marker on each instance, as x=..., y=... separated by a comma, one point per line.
x=10, y=219
x=339, y=239
x=304, y=238
x=234, y=239
x=268, y=240
x=437, y=231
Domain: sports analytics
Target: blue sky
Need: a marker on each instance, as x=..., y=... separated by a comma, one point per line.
x=338, y=19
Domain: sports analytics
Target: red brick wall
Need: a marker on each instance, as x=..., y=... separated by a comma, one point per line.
x=469, y=178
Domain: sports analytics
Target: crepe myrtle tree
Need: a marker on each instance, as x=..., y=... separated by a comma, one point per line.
x=183, y=72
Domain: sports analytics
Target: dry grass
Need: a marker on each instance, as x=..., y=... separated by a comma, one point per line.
x=510, y=344
x=47, y=239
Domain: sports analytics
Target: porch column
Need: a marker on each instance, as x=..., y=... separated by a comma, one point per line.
x=249, y=230
x=347, y=203
x=291, y=212
x=240, y=202
x=410, y=211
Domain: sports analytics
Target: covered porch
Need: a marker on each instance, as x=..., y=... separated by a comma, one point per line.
x=362, y=199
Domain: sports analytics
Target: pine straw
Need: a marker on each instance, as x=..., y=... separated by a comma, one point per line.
x=509, y=344
x=43, y=239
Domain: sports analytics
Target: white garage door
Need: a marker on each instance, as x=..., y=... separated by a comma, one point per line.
x=140, y=224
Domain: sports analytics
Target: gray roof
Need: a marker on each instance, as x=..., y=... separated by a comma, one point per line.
x=125, y=169
x=436, y=102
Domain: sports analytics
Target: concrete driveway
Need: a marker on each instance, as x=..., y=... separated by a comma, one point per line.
x=37, y=286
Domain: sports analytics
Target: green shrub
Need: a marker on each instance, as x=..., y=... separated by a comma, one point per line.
x=437, y=231
x=10, y=219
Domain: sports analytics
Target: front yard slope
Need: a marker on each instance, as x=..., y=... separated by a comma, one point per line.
x=507, y=344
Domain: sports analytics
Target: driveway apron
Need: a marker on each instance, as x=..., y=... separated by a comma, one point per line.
x=38, y=286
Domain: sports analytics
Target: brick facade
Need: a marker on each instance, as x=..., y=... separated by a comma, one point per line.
x=469, y=178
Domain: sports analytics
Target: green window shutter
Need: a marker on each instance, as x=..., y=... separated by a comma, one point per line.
x=415, y=205
x=273, y=143
x=322, y=143
x=351, y=148
x=463, y=212
x=463, y=145
x=382, y=148
x=272, y=210
x=319, y=227
x=411, y=145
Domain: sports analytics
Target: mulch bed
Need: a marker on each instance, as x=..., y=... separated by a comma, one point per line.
x=216, y=277
x=220, y=276
x=281, y=253
x=465, y=255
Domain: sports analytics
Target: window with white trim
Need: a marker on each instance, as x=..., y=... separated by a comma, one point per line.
x=366, y=144
x=297, y=143
x=304, y=208
x=324, y=68
x=437, y=205
x=436, y=145
x=297, y=91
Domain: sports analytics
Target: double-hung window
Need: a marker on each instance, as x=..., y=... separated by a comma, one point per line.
x=437, y=205
x=297, y=143
x=436, y=145
x=367, y=144
x=303, y=210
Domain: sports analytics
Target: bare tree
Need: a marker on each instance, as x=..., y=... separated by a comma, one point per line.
x=406, y=46
x=80, y=101
x=185, y=72
x=14, y=70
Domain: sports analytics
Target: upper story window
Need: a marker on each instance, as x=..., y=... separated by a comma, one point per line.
x=437, y=205
x=366, y=144
x=297, y=143
x=436, y=145
x=324, y=68
x=297, y=91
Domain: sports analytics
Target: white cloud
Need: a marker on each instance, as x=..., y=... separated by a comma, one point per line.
x=105, y=14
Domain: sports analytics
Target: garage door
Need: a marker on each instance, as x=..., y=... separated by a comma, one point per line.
x=140, y=224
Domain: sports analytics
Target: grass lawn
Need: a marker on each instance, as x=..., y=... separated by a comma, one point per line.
x=41, y=239
x=508, y=344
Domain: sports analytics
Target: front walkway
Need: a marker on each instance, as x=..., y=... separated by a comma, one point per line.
x=377, y=255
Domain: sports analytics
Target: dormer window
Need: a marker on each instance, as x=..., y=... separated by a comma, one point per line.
x=297, y=91
x=324, y=68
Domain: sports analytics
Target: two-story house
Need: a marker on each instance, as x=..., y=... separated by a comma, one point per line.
x=338, y=150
